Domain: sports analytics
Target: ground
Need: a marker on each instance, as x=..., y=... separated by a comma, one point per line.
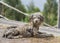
x=30, y=40
x=27, y=40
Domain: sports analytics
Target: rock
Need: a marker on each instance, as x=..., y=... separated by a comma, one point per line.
x=11, y=27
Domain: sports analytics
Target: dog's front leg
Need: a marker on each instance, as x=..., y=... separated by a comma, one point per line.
x=35, y=31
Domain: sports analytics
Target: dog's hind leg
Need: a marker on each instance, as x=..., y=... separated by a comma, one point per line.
x=14, y=37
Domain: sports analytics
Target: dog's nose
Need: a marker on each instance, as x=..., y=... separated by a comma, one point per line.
x=36, y=21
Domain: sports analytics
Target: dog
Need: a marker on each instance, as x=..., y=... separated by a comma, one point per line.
x=36, y=20
x=15, y=32
x=27, y=30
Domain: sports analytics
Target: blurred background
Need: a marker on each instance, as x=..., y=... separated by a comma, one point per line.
x=49, y=9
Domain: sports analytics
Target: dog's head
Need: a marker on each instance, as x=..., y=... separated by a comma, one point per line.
x=36, y=18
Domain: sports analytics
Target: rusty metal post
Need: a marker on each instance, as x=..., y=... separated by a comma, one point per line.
x=59, y=15
x=0, y=8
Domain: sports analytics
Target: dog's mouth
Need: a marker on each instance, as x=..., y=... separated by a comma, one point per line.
x=36, y=22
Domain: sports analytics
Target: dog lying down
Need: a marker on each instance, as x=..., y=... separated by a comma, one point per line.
x=27, y=30
x=16, y=32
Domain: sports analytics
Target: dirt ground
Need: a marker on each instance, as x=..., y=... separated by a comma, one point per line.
x=28, y=40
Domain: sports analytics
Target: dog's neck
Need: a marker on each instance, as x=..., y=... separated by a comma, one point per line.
x=34, y=26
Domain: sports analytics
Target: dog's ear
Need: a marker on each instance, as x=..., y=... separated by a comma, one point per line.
x=41, y=18
x=30, y=18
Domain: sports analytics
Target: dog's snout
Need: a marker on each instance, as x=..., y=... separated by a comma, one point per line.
x=36, y=20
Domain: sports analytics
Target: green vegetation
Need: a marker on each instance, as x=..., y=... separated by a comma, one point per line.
x=49, y=12
x=11, y=14
x=31, y=8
